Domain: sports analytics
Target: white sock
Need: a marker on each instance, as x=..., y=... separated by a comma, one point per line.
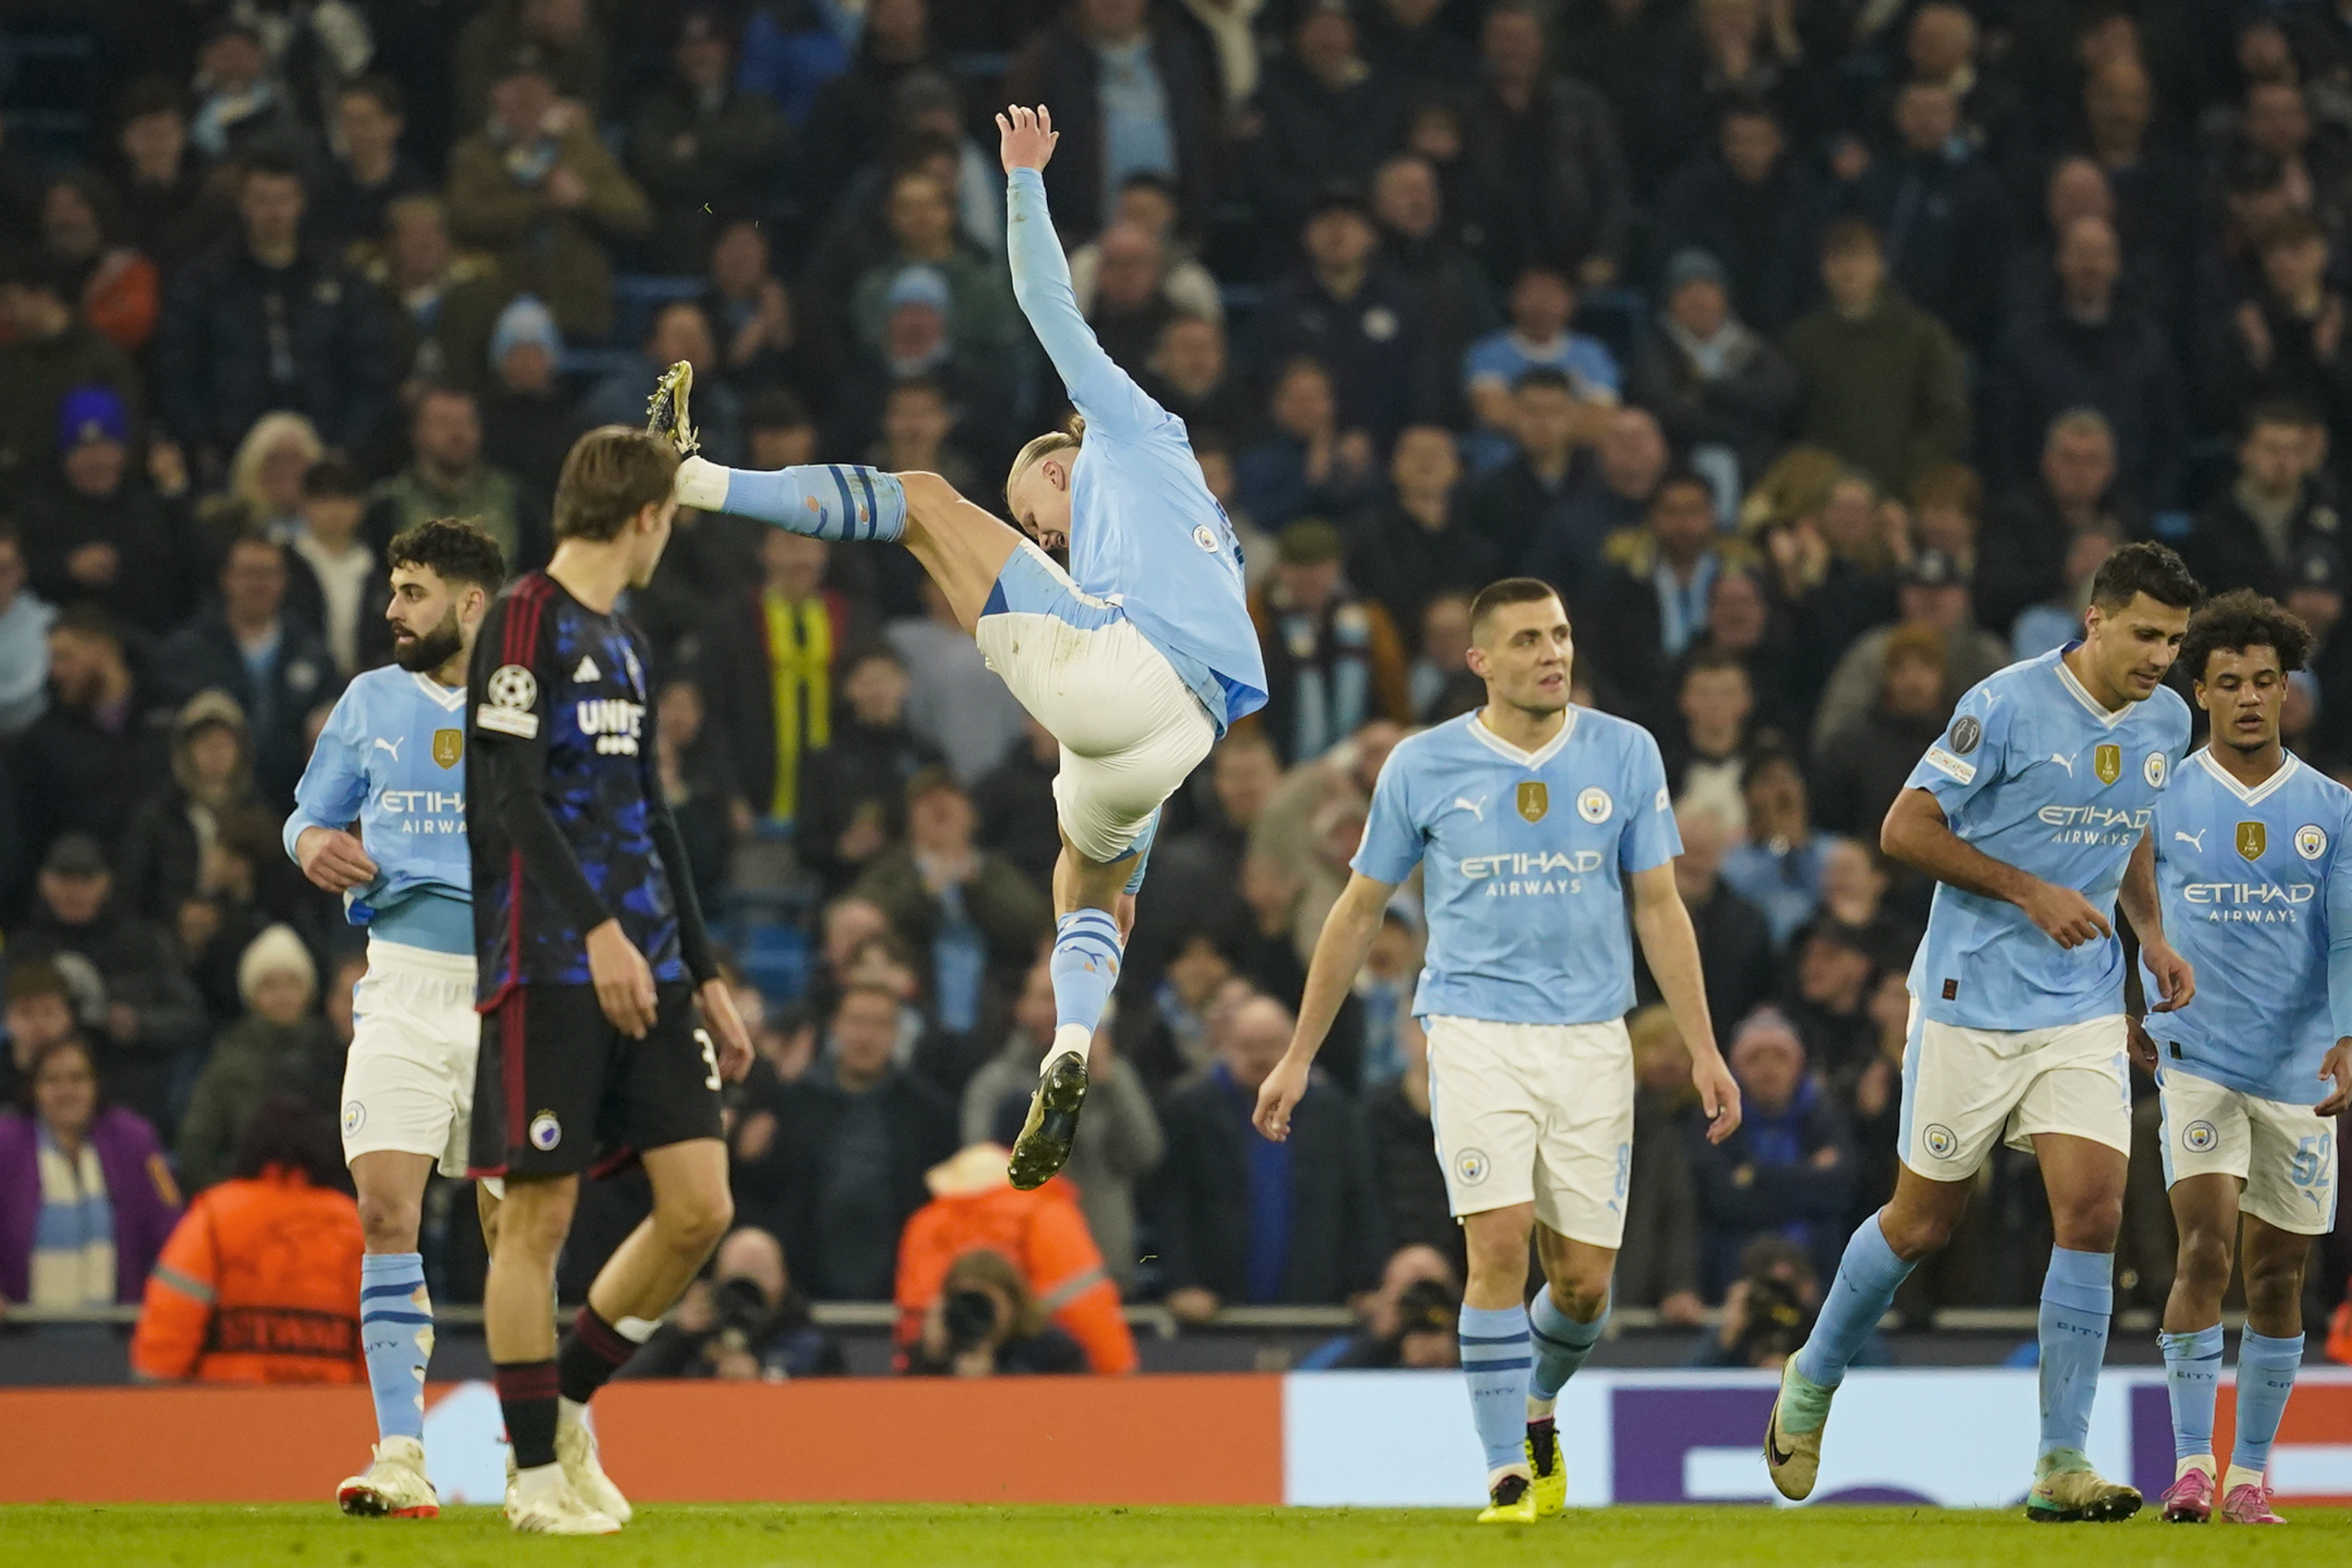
x=2240, y=1476
x=1519, y=1469
x=538, y=1480
x=637, y=1330
x=1540, y=1409
x=702, y=485
x=571, y=1412
x=1075, y=1036
x=2194, y=1462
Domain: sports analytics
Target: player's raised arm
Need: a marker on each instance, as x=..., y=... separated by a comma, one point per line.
x=1340, y=952
x=1106, y=394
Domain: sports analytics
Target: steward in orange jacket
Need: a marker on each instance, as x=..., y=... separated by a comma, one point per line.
x=973, y=1205
x=260, y=1282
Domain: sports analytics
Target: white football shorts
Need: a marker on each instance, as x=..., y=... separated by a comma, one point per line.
x=1132, y=730
x=2284, y=1155
x=1963, y=1088
x=1535, y=1113
x=408, y=1082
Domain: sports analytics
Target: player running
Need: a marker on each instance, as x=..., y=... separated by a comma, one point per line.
x=593, y=957
x=392, y=757
x=1136, y=658
x=2251, y=861
x=2032, y=813
x=1528, y=817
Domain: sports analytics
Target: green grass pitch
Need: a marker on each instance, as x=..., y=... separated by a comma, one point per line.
x=767, y=1536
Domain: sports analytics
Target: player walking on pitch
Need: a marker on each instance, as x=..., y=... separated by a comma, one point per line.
x=392, y=757
x=2032, y=813
x=1137, y=657
x=2252, y=863
x=592, y=959
x=1528, y=817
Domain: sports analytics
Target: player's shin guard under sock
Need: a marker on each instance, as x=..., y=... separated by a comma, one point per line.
x=1867, y=1278
x=2192, y=1371
x=2077, y=1295
x=527, y=1399
x=1495, y=1360
x=595, y=1350
x=1085, y=967
x=1560, y=1344
x=823, y=500
x=2266, y=1369
x=396, y=1332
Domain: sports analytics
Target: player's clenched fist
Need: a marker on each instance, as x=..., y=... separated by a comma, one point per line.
x=1279, y=1095
x=332, y=859
x=623, y=980
x=1025, y=137
x=2063, y=915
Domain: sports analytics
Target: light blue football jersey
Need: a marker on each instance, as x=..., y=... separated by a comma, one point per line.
x=1144, y=533
x=2257, y=894
x=393, y=757
x=2035, y=774
x=1524, y=856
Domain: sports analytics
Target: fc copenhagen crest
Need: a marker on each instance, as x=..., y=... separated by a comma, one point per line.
x=2252, y=840
x=2108, y=762
x=1534, y=800
x=448, y=746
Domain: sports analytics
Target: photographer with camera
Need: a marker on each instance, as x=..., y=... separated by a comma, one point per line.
x=746, y=1323
x=985, y=1322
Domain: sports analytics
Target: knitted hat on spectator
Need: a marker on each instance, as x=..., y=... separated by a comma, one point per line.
x=276, y=951
x=91, y=412
x=525, y=321
x=1309, y=541
x=1765, y=1025
x=1692, y=265
x=918, y=285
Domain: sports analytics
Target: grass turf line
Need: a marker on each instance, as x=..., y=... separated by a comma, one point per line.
x=761, y=1536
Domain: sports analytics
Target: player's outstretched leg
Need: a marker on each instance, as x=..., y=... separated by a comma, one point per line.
x=397, y=1336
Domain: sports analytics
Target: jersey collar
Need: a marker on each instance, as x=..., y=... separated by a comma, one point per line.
x=451, y=698
x=1510, y=753
x=2082, y=694
x=2260, y=792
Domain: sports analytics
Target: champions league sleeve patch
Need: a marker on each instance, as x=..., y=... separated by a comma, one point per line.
x=507, y=701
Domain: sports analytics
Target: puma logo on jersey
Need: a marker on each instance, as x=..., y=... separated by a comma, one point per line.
x=391, y=746
x=1476, y=808
x=587, y=671
x=2195, y=840
x=2065, y=762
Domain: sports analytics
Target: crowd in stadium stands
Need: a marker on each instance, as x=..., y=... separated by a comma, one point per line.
x=1819, y=351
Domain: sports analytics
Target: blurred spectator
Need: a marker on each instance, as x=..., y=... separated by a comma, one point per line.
x=1881, y=379
x=1658, y=1266
x=1740, y=626
x=1752, y=207
x=1734, y=943
x=955, y=702
x=48, y=353
x=695, y=782
x=528, y=421
x=759, y=337
x=1169, y=1040
x=853, y=790
x=916, y=422
x=2022, y=551
x=336, y=581
x=1015, y=801
x=678, y=331
x=1542, y=304
x=265, y=481
x=986, y=1319
x=281, y=1046
x=1346, y=311
x=2286, y=342
x=971, y=916
x=1706, y=753
x=447, y=479
x=1421, y=245
x=917, y=340
x=86, y=762
x=118, y=291
x=844, y=1153
x=2090, y=347
x=1147, y=206
x=171, y=210
x=2247, y=535
x=1610, y=492
x=243, y=109
x=370, y=170
x=25, y=622
x=1443, y=685
x=443, y=305
x=1309, y=463
x=1943, y=214
x=536, y=186
x=277, y=668
x=1411, y=1320
x=86, y=1200
x=1333, y=658
x=1828, y=999
x=1325, y=116
x=1790, y=1168
x=1544, y=153
x=1410, y=41
x=1413, y=545
x=777, y=685
x=982, y=316
x=560, y=37
x=97, y=533
x=212, y=775
x=39, y=1006
x=1105, y=1164
x=151, y=1017
x=1934, y=600
x=1130, y=95
x=1196, y=873
x=1130, y=307
x=259, y=1282
x=2058, y=620
x=1649, y=600
x=1723, y=393
x=1778, y=868
x=747, y=1322
x=851, y=117
x=1404, y=1153
x=1768, y=1309
x=265, y=321
x=701, y=146
x=1861, y=764
x=1243, y=1219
